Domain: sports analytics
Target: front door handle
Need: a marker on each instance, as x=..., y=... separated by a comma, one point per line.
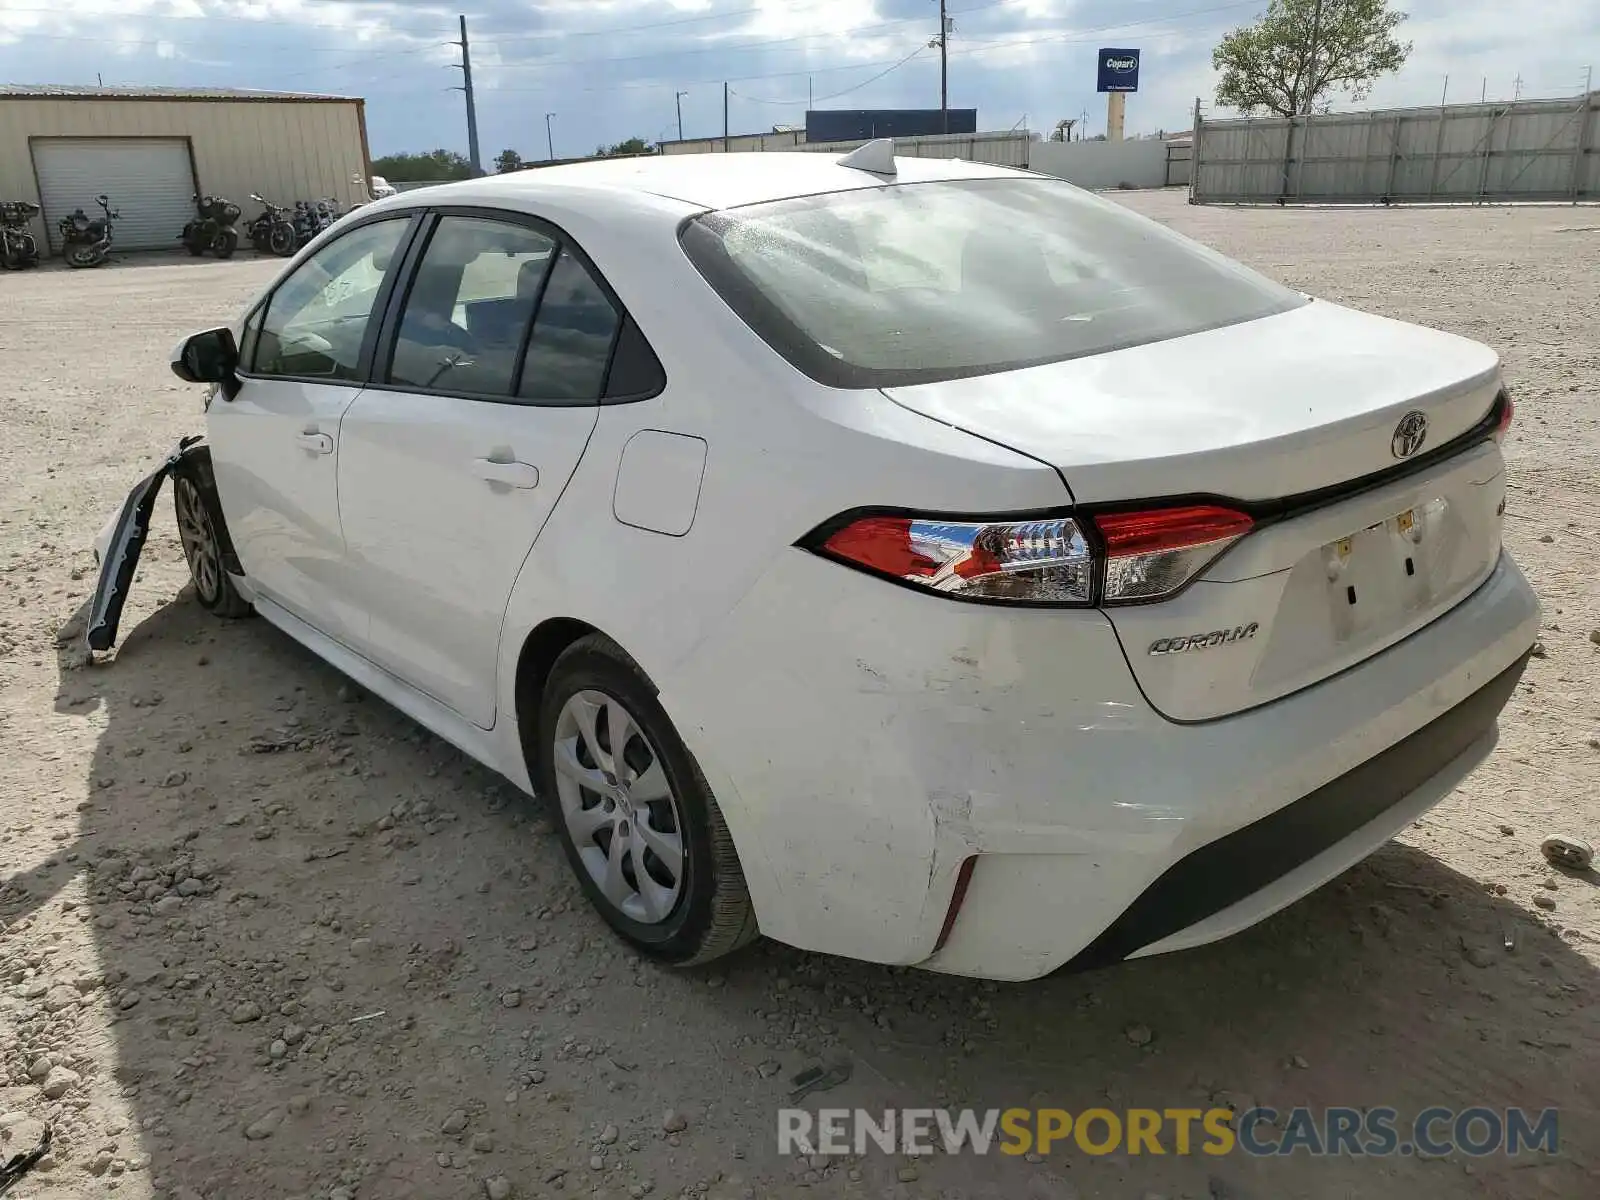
x=514, y=474
x=317, y=443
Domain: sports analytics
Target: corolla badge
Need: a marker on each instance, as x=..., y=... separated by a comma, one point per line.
x=1115, y=63
x=1204, y=641
x=1409, y=434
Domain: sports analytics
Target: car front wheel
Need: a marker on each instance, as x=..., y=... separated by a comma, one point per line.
x=202, y=547
x=639, y=824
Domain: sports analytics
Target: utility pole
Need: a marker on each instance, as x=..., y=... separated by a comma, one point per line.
x=465, y=67
x=677, y=99
x=944, y=68
x=724, y=118
x=549, y=138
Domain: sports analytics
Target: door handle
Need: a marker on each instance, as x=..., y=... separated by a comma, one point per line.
x=317, y=443
x=514, y=474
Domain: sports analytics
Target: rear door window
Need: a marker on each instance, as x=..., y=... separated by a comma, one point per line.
x=469, y=305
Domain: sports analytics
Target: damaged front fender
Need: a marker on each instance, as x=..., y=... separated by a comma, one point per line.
x=119, y=545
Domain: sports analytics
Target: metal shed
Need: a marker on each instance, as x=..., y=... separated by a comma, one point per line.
x=152, y=149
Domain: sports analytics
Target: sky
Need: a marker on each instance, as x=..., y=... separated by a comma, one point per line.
x=611, y=69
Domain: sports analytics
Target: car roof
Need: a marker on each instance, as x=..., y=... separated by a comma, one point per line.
x=704, y=180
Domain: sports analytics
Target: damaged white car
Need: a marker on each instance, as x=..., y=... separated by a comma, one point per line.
x=907, y=559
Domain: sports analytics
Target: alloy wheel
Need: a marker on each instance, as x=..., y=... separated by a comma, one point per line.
x=199, y=540
x=619, y=807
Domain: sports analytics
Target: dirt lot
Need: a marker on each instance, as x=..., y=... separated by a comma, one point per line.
x=263, y=937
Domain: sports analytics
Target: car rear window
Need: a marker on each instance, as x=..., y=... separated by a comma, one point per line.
x=914, y=283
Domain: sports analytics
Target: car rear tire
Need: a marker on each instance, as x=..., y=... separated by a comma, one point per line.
x=639, y=824
x=198, y=530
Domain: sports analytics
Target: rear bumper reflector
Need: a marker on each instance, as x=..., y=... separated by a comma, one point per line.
x=963, y=879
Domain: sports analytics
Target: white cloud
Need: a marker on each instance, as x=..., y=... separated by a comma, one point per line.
x=612, y=66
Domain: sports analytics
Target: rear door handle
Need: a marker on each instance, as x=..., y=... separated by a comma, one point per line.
x=317, y=443
x=514, y=474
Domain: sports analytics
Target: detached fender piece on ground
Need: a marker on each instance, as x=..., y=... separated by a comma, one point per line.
x=121, y=539
x=13, y=1169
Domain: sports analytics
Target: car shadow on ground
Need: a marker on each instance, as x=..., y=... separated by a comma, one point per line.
x=335, y=956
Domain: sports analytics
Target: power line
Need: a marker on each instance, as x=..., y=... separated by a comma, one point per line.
x=812, y=101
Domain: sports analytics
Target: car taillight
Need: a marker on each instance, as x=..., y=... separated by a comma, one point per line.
x=1130, y=558
x=1152, y=554
x=1035, y=562
x=1507, y=410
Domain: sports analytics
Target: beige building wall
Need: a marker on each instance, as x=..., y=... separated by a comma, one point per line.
x=286, y=150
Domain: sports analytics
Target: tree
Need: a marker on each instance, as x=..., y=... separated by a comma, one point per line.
x=508, y=160
x=1301, y=50
x=435, y=166
x=633, y=145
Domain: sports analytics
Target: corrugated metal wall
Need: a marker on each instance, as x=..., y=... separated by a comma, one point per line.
x=1011, y=149
x=286, y=150
x=1523, y=150
x=739, y=143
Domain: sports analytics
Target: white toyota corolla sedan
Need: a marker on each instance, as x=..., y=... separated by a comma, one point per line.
x=919, y=561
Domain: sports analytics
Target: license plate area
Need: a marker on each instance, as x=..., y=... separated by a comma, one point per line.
x=1383, y=571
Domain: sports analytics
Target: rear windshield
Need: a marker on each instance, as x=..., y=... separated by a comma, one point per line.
x=914, y=283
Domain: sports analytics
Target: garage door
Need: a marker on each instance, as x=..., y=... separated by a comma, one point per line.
x=150, y=181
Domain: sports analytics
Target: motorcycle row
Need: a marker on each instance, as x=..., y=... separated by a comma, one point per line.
x=86, y=241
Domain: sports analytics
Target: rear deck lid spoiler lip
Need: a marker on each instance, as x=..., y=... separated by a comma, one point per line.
x=1286, y=507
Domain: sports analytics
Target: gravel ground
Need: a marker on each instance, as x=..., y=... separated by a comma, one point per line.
x=261, y=936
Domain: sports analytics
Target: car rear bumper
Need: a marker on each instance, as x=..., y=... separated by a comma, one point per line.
x=866, y=741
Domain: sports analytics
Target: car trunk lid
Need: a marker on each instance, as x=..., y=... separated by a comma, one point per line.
x=1348, y=437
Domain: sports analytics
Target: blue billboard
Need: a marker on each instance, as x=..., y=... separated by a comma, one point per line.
x=1118, y=71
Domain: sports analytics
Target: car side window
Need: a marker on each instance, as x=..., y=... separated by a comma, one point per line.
x=317, y=319
x=573, y=335
x=468, y=308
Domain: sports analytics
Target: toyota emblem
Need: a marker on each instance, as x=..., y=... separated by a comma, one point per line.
x=1409, y=434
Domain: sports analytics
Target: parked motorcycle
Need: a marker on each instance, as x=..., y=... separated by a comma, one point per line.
x=213, y=229
x=17, y=247
x=86, y=240
x=327, y=213
x=272, y=232
x=305, y=223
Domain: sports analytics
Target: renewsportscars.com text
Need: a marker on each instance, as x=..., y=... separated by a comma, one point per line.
x=1260, y=1132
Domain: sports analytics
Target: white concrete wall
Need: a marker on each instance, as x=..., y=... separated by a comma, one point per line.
x=1141, y=163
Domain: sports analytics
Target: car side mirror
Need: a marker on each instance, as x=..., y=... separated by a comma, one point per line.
x=208, y=357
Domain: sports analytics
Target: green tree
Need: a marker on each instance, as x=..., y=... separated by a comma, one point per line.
x=633, y=145
x=434, y=166
x=1300, y=51
x=508, y=160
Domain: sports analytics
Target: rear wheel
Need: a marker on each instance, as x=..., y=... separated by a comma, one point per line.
x=639, y=824
x=202, y=545
x=227, y=241
x=281, y=240
x=84, y=256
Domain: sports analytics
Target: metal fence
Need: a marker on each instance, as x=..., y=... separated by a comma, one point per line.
x=1519, y=150
x=1002, y=149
